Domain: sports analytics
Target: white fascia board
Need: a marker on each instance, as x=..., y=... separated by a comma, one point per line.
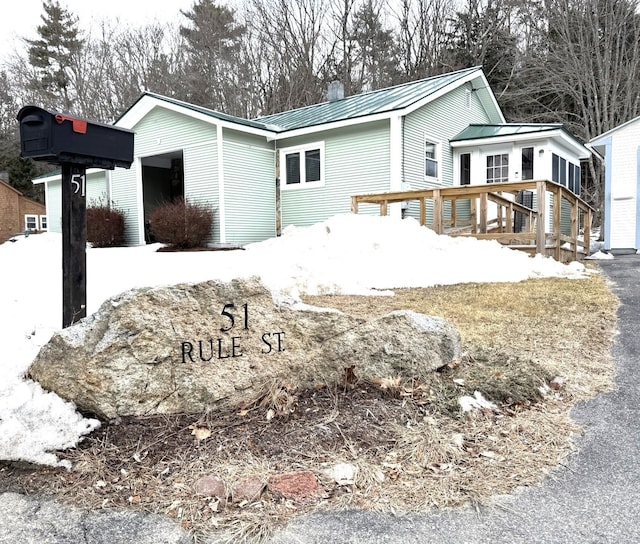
x=597, y=149
x=445, y=90
x=336, y=124
x=148, y=103
x=602, y=137
x=58, y=177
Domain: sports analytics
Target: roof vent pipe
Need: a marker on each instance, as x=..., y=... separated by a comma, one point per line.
x=335, y=91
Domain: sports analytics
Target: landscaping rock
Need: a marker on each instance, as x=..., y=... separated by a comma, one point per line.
x=210, y=486
x=343, y=473
x=194, y=347
x=294, y=485
x=247, y=489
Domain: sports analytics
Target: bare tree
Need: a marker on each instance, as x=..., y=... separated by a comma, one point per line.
x=423, y=29
x=295, y=51
x=589, y=75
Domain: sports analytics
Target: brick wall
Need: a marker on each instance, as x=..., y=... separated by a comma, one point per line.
x=13, y=208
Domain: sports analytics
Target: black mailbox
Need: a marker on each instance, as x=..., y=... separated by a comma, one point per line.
x=62, y=139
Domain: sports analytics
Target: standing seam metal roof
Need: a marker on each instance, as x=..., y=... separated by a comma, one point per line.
x=478, y=132
x=361, y=105
x=351, y=107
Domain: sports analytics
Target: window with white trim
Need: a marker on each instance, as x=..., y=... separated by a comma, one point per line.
x=498, y=168
x=43, y=222
x=431, y=158
x=30, y=222
x=302, y=165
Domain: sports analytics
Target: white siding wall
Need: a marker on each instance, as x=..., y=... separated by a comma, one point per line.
x=624, y=186
x=356, y=161
x=250, y=188
x=162, y=131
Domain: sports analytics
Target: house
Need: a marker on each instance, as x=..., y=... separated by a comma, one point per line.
x=19, y=213
x=300, y=167
x=619, y=149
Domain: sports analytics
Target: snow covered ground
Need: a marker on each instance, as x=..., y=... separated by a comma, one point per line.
x=348, y=254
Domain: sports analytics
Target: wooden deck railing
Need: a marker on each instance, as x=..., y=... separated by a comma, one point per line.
x=533, y=236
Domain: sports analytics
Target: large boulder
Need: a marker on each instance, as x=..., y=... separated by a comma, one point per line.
x=195, y=347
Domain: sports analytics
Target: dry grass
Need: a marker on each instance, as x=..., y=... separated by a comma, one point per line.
x=412, y=445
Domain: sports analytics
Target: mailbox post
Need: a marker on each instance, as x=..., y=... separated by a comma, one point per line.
x=75, y=145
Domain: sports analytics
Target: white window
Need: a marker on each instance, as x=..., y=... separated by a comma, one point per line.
x=302, y=166
x=30, y=222
x=43, y=222
x=431, y=158
x=497, y=168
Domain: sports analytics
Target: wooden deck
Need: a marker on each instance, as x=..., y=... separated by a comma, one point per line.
x=532, y=236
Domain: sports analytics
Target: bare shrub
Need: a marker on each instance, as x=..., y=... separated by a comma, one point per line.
x=105, y=225
x=181, y=224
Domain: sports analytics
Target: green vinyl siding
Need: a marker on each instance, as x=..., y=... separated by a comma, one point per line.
x=97, y=188
x=356, y=161
x=124, y=196
x=200, y=164
x=440, y=121
x=54, y=205
x=96, y=192
x=249, y=188
x=163, y=131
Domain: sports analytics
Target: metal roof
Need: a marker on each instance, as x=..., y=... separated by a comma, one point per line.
x=361, y=105
x=478, y=132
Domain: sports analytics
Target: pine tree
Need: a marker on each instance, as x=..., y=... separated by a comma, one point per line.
x=52, y=56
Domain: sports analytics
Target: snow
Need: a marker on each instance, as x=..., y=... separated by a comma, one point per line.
x=347, y=254
x=600, y=255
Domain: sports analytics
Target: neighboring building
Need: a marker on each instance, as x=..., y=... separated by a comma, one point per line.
x=19, y=213
x=300, y=167
x=619, y=148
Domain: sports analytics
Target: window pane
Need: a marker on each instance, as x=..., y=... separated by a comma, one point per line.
x=497, y=168
x=293, y=168
x=555, y=168
x=312, y=165
x=465, y=169
x=570, y=186
x=527, y=163
x=31, y=222
x=577, y=180
x=563, y=172
x=431, y=168
x=430, y=150
x=430, y=160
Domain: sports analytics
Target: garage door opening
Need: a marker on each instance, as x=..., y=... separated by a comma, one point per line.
x=162, y=181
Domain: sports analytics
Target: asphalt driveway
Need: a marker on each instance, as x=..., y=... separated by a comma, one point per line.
x=595, y=499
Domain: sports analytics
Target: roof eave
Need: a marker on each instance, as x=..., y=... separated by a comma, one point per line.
x=147, y=102
x=557, y=133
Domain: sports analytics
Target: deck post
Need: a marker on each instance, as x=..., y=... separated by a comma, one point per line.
x=483, y=213
x=574, y=228
x=354, y=204
x=438, y=209
x=557, y=211
x=423, y=211
x=587, y=231
x=540, y=226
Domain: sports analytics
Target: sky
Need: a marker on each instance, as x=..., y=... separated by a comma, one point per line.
x=347, y=254
x=22, y=20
